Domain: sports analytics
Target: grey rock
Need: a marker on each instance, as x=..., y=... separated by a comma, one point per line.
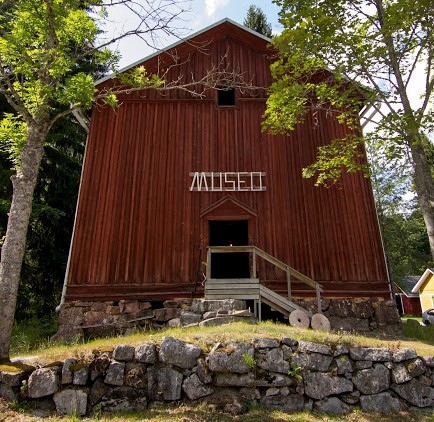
x=383, y=403
x=403, y=354
x=380, y=354
x=115, y=374
x=272, y=391
x=311, y=361
x=372, y=381
x=272, y=360
x=351, y=398
x=289, y=341
x=174, y=323
x=415, y=367
x=318, y=385
x=210, y=314
x=146, y=353
x=135, y=375
x=341, y=350
x=270, y=379
x=71, y=316
x=363, y=308
x=250, y=393
x=203, y=372
x=400, y=374
x=350, y=324
x=16, y=374
x=71, y=402
x=67, y=374
x=425, y=380
x=179, y=353
x=99, y=365
x=291, y=403
x=415, y=393
x=195, y=389
x=81, y=376
x=429, y=361
x=343, y=365
x=123, y=352
x=342, y=308
x=124, y=405
x=7, y=393
x=308, y=346
x=363, y=364
x=266, y=343
x=223, y=379
x=387, y=315
x=230, y=358
x=188, y=317
x=166, y=314
x=43, y=382
x=287, y=352
x=164, y=383
x=332, y=406
x=201, y=306
x=97, y=391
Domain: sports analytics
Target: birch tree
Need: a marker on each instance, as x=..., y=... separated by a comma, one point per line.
x=341, y=55
x=41, y=44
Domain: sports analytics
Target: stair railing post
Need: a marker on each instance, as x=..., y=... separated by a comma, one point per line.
x=288, y=279
x=254, y=263
x=318, y=299
x=208, y=264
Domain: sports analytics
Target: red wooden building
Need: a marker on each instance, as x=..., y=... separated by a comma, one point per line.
x=167, y=175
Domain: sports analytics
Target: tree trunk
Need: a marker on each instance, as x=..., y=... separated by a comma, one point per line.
x=424, y=185
x=12, y=254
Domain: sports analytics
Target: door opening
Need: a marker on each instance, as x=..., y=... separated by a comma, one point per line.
x=229, y=233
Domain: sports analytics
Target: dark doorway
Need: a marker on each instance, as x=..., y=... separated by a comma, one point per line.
x=229, y=233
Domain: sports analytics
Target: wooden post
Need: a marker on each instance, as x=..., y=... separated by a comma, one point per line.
x=288, y=279
x=259, y=310
x=255, y=308
x=318, y=299
x=254, y=263
x=208, y=264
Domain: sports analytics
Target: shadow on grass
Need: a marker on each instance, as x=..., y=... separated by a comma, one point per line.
x=424, y=334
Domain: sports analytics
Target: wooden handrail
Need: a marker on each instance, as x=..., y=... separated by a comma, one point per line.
x=271, y=259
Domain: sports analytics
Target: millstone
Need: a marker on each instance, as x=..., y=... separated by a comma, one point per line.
x=299, y=318
x=320, y=322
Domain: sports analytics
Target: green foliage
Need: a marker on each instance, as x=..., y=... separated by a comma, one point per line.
x=257, y=21
x=335, y=56
x=296, y=372
x=250, y=361
x=12, y=137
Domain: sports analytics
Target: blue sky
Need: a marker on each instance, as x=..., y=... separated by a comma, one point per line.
x=202, y=14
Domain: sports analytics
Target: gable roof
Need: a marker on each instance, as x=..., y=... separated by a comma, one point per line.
x=219, y=29
x=422, y=280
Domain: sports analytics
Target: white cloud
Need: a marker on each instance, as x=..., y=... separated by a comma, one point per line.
x=213, y=5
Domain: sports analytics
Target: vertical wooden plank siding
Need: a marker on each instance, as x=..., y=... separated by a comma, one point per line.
x=141, y=233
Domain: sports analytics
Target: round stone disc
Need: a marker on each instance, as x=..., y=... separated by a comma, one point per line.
x=299, y=318
x=320, y=322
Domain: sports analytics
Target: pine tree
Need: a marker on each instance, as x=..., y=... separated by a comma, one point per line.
x=257, y=21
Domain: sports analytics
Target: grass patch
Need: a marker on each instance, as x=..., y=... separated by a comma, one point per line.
x=206, y=337
x=32, y=334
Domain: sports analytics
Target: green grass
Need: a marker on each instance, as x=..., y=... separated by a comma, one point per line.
x=33, y=334
x=206, y=337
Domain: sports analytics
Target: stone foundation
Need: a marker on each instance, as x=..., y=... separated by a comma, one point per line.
x=96, y=319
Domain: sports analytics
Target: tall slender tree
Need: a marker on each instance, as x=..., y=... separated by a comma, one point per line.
x=257, y=21
x=41, y=42
x=340, y=55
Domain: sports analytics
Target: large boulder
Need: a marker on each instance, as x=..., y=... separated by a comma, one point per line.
x=71, y=402
x=415, y=393
x=379, y=354
x=311, y=361
x=318, y=385
x=164, y=383
x=272, y=360
x=44, y=382
x=195, y=389
x=146, y=353
x=373, y=380
x=232, y=358
x=332, y=406
x=179, y=353
x=123, y=352
x=380, y=403
x=115, y=373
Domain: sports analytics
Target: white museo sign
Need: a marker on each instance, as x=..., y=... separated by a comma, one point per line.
x=227, y=181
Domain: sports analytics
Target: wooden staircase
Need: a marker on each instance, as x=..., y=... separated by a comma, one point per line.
x=251, y=288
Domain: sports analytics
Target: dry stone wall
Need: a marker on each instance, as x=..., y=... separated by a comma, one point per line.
x=283, y=374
